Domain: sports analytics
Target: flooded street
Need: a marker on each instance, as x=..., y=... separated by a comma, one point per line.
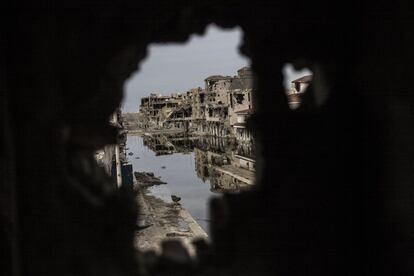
x=194, y=169
x=178, y=170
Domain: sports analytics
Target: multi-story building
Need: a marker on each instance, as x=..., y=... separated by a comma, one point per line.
x=157, y=107
x=221, y=109
x=297, y=89
x=224, y=95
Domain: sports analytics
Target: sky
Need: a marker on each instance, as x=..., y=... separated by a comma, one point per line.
x=177, y=67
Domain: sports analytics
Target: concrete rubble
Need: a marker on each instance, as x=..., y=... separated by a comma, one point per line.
x=160, y=221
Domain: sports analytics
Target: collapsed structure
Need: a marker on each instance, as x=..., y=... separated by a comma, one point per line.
x=221, y=109
x=217, y=110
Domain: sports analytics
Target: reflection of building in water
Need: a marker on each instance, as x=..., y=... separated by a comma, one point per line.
x=159, y=144
x=113, y=157
x=222, y=182
x=201, y=164
x=246, y=149
x=163, y=144
x=241, y=132
x=244, y=156
x=228, y=167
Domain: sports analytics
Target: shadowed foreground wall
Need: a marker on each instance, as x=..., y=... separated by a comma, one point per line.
x=335, y=193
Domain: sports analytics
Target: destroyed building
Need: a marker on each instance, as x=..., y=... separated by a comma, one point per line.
x=225, y=95
x=334, y=188
x=180, y=117
x=297, y=89
x=213, y=110
x=198, y=104
x=157, y=107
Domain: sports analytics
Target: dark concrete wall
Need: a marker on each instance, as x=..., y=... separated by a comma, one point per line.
x=335, y=192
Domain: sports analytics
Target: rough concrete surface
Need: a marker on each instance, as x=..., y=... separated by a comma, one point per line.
x=164, y=221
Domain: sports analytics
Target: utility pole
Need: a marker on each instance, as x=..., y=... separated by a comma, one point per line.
x=117, y=159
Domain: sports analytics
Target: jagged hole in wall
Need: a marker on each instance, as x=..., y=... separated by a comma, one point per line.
x=186, y=112
x=296, y=83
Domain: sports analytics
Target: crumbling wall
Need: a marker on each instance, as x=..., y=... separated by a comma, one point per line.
x=334, y=194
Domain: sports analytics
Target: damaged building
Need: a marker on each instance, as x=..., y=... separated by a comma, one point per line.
x=225, y=95
x=221, y=109
x=209, y=111
x=228, y=168
x=157, y=107
x=334, y=183
x=179, y=117
x=297, y=89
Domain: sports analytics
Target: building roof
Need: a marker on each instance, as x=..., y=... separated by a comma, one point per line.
x=245, y=71
x=245, y=111
x=304, y=79
x=218, y=77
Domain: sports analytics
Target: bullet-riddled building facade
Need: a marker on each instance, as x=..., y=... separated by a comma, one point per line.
x=223, y=97
x=209, y=111
x=221, y=109
x=158, y=109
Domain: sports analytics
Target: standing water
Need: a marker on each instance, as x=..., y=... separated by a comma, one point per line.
x=178, y=170
x=194, y=169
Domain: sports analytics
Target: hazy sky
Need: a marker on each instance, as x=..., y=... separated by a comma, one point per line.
x=178, y=67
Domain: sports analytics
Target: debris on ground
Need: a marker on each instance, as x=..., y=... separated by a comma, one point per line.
x=147, y=179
